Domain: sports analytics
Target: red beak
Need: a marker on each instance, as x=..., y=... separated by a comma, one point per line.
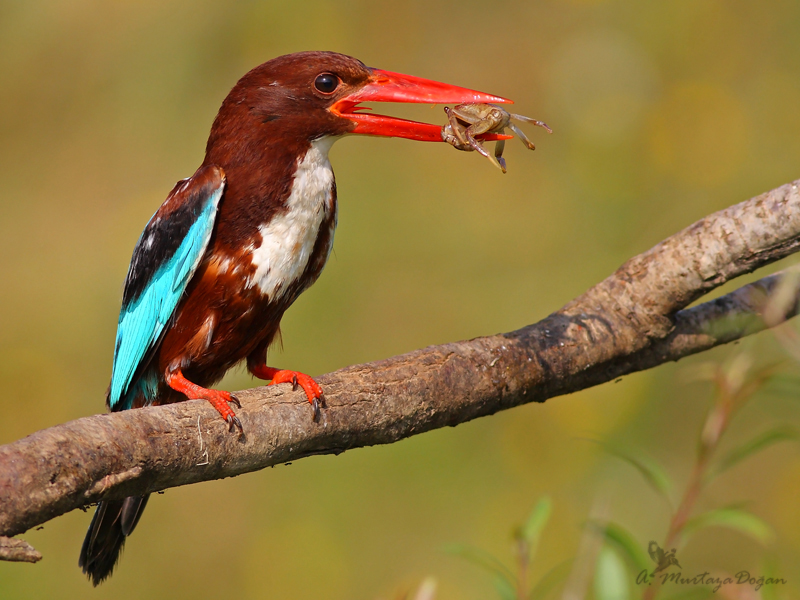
x=385, y=86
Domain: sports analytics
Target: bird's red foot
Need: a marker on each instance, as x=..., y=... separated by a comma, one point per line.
x=310, y=387
x=219, y=399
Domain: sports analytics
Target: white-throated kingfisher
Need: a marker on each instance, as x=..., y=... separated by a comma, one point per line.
x=236, y=243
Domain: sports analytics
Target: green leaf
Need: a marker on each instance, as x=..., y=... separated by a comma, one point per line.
x=550, y=580
x=427, y=589
x=619, y=538
x=732, y=518
x=784, y=384
x=504, y=588
x=757, y=444
x=770, y=592
x=649, y=469
x=484, y=560
x=531, y=530
x=695, y=593
x=610, y=576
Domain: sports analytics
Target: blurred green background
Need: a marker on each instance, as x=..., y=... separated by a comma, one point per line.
x=663, y=112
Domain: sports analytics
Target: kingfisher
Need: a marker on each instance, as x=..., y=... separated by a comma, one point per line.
x=235, y=244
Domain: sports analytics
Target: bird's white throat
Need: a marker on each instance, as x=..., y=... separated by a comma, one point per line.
x=288, y=240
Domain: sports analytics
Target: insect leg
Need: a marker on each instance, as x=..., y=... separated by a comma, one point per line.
x=533, y=121
x=498, y=154
x=522, y=137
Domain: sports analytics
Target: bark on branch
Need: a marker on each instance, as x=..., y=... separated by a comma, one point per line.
x=634, y=320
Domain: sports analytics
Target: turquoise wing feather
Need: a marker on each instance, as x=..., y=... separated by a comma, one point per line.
x=164, y=260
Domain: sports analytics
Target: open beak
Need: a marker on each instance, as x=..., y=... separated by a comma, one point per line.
x=385, y=86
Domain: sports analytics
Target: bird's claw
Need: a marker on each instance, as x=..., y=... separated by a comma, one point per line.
x=301, y=380
x=219, y=399
x=315, y=407
x=233, y=421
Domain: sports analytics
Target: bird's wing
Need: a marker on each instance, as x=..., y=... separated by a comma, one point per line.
x=164, y=260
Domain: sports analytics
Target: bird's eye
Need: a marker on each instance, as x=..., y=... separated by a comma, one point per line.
x=326, y=83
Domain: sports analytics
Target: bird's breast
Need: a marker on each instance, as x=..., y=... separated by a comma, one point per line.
x=296, y=242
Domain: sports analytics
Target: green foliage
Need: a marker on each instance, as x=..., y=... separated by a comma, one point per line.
x=695, y=593
x=620, y=539
x=425, y=591
x=506, y=583
x=611, y=579
x=754, y=446
x=502, y=576
x=621, y=556
x=531, y=531
x=550, y=581
x=736, y=382
x=653, y=473
x=785, y=385
x=770, y=592
x=733, y=518
x=504, y=589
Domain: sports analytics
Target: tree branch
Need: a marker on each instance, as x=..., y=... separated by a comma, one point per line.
x=634, y=320
x=18, y=551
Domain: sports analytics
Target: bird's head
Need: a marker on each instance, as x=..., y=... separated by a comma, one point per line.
x=310, y=95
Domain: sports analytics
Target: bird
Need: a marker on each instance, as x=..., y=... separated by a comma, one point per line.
x=235, y=244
